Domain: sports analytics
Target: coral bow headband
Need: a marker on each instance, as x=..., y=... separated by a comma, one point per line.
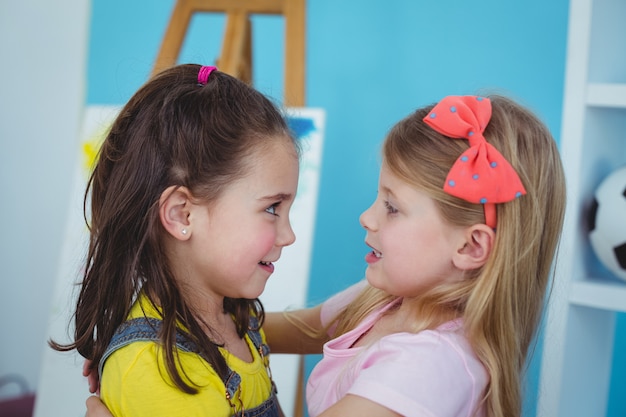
x=481, y=175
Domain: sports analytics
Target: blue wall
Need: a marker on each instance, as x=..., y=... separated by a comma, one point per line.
x=368, y=66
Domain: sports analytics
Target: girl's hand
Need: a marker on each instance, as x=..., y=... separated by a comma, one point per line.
x=96, y=408
x=92, y=377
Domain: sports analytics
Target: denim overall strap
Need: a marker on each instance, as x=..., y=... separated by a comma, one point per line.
x=270, y=407
x=141, y=329
x=255, y=336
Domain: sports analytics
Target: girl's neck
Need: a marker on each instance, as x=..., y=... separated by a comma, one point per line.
x=202, y=300
x=412, y=315
x=219, y=326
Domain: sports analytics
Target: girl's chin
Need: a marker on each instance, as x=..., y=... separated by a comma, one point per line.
x=373, y=280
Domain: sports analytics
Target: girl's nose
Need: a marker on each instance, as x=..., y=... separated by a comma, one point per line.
x=286, y=236
x=366, y=219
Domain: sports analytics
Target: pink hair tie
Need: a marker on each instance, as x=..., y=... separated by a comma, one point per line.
x=203, y=74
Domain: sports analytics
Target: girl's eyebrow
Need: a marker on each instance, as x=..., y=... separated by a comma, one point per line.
x=279, y=197
x=397, y=200
x=387, y=190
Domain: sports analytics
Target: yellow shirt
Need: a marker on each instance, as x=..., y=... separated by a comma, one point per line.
x=135, y=382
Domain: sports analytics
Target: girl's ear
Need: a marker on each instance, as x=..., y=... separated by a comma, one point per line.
x=174, y=208
x=476, y=247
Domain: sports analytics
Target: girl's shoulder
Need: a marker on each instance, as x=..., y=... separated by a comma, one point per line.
x=145, y=359
x=135, y=382
x=446, y=344
x=446, y=336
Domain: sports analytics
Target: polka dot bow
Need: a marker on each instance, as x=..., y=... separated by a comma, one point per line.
x=481, y=175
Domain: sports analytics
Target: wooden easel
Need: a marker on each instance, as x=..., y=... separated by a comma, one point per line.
x=236, y=54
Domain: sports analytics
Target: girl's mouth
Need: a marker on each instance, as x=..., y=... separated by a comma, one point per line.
x=268, y=266
x=373, y=257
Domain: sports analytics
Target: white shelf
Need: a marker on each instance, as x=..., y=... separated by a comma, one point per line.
x=606, y=95
x=582, y=309
x=599, y=293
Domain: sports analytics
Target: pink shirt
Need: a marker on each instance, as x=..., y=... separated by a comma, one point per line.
x=430, y=373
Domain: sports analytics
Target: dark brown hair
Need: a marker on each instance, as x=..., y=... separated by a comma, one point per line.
x=172, y=132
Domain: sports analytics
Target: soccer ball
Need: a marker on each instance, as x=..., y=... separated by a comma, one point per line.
x=607, y=223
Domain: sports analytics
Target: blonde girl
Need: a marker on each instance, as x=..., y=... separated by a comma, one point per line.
x=463, y=234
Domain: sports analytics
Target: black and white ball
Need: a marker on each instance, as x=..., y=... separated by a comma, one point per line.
x=607, y=220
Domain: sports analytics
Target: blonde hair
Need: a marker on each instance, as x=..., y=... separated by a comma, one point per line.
x=501, y=303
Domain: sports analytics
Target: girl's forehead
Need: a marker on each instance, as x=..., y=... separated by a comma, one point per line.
x=386, y=173
x=389, y=182
x=273, y=148
x=395, y=184
x=271, y=153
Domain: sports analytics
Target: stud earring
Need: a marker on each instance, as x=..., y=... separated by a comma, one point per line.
x=184, y=231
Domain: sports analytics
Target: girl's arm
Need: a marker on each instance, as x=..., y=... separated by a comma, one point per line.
x=354, y=406
x=301, y=333
x=305, y=331
x=349, y=406
x=96, y=408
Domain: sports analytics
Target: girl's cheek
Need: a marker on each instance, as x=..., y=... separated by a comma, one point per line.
x=268, y=240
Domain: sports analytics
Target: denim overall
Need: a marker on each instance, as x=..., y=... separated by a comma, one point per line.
x=146, y=329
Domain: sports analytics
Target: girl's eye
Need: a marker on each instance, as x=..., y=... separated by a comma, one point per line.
x=272, y=209
x=390, y=209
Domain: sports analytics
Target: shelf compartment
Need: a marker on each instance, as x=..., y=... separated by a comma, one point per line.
x=606, y=95
x=599, y=293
